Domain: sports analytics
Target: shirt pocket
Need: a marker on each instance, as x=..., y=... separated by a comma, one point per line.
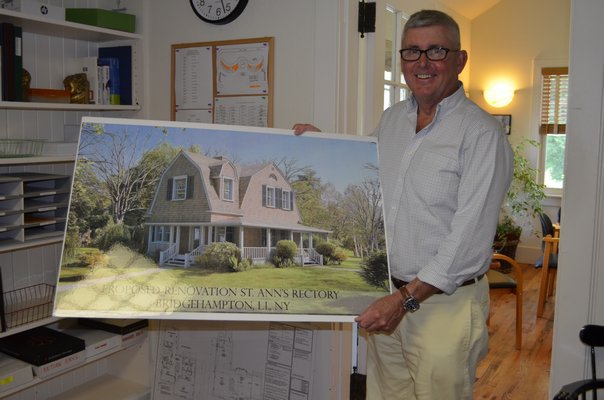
x=435, y=179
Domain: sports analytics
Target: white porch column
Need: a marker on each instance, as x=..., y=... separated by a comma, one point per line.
x=210, y=234
x=241, y=240
x=150, y=239
x=310, y=246
x=202, y=235
x=268, y=240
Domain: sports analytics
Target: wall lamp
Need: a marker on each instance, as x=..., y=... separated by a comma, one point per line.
x=499, y=94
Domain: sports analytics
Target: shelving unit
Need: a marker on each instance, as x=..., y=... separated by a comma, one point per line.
x=32, y=219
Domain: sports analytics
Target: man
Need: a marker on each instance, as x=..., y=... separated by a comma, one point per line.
x=445, y=167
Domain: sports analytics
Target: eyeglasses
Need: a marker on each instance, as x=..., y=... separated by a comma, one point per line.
x=432, y=54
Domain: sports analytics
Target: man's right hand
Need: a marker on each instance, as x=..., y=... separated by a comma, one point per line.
x=301, y=128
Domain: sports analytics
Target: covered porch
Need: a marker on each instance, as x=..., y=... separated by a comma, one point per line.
x=181, y=245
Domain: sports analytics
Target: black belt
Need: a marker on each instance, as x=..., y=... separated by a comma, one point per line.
x=399, y=283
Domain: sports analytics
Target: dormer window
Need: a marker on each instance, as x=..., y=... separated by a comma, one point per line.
x=227, y=189
x=270, y=196
x=179, y=188
x=286, y=200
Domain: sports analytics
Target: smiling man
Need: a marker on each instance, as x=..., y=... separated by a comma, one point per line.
x=445, y=167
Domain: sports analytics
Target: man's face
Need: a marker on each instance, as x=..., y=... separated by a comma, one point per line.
x=432, y=81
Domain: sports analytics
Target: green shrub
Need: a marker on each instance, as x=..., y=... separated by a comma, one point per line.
x=244, y=265
x=112, y=234
x=327, y=250
x=93, y=259
x=374, y=269
x=332, y=254
x=224, y=256
x=339, y=255
x=284, y=253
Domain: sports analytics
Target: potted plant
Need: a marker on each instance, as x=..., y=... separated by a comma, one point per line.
x=521, y=204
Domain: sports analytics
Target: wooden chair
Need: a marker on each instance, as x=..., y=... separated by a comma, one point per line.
x=548, y=272
x=500, y=281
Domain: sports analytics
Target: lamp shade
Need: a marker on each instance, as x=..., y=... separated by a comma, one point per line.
x=499, y=95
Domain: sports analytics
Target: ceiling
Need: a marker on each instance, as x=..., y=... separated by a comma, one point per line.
x=469, y=8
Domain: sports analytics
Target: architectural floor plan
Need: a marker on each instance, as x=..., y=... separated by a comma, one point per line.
x=231, y=361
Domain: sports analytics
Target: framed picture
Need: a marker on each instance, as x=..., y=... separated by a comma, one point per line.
x=506, y=121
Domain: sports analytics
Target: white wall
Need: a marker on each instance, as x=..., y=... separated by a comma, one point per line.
x=306, y=65
x=580, y=294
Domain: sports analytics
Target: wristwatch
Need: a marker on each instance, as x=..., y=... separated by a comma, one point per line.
x=410, y=303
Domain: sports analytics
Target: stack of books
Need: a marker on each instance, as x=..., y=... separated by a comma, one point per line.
x=11, y=62
x=47, y=350
x=109, y=75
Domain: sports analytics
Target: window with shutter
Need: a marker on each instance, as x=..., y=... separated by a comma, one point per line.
x=552, y=126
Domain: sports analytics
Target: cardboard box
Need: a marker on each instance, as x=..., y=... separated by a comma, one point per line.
x=102, y=18
x=36, y=8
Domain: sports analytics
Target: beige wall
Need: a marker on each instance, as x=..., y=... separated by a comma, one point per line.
x=507, y=42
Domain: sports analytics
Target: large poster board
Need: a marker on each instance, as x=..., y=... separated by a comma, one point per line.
x=194, y=221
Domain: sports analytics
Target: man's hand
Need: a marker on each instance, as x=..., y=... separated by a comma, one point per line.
x=383, y=315
x=301, y=128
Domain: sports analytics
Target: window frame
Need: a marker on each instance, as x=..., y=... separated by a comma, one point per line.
x=270, y=196
x=286, y=199
x=175, y=191
x=224, y=192
x=538, y=66
x=396, y=85
x=159, y=233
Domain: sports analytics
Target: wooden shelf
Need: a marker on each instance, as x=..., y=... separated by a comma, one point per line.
x=54, y=159
x=64, y=29
x=25, y=105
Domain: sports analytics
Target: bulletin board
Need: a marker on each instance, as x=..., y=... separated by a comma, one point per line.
x=225, y=82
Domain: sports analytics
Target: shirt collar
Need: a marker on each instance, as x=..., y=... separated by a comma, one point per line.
x=446, y=104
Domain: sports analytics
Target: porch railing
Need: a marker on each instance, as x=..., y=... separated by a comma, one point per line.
x=167, y=254
x=192, y=255
x=256, y=253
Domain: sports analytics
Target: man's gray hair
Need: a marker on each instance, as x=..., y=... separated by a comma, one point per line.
x=425, y=18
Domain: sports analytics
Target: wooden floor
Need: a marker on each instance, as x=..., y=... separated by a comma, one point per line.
x=507, y=373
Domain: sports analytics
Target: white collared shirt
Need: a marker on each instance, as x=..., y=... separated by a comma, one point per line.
x=443, y=188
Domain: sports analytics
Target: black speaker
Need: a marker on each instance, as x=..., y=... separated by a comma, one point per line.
x=366, y=18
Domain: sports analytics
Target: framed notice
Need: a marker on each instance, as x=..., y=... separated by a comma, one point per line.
x=180, y=220
x=233, y=75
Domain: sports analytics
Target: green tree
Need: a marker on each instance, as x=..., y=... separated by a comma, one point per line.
x=555, y=156
x=309, y=192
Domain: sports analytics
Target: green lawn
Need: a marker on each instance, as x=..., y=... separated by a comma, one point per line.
x=130, y=282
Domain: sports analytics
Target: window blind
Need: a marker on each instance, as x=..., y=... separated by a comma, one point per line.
x=554, y=100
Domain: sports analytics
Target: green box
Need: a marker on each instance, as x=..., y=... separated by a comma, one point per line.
x=101, y=18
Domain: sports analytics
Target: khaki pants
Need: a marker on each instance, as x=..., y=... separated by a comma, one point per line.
x=433, y=353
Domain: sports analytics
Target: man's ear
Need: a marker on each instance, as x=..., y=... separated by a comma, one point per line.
x=462, y=59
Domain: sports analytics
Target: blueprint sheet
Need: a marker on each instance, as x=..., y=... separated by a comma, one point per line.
x=234, y=361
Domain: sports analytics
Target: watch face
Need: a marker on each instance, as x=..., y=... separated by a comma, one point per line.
x=218, y=11
x=411, y=304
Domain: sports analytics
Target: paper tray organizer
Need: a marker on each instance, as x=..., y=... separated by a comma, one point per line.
x=21, y=147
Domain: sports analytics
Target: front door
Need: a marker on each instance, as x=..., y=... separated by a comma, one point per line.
x=183, y=246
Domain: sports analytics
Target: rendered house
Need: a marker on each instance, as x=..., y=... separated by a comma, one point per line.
x=201, y=200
